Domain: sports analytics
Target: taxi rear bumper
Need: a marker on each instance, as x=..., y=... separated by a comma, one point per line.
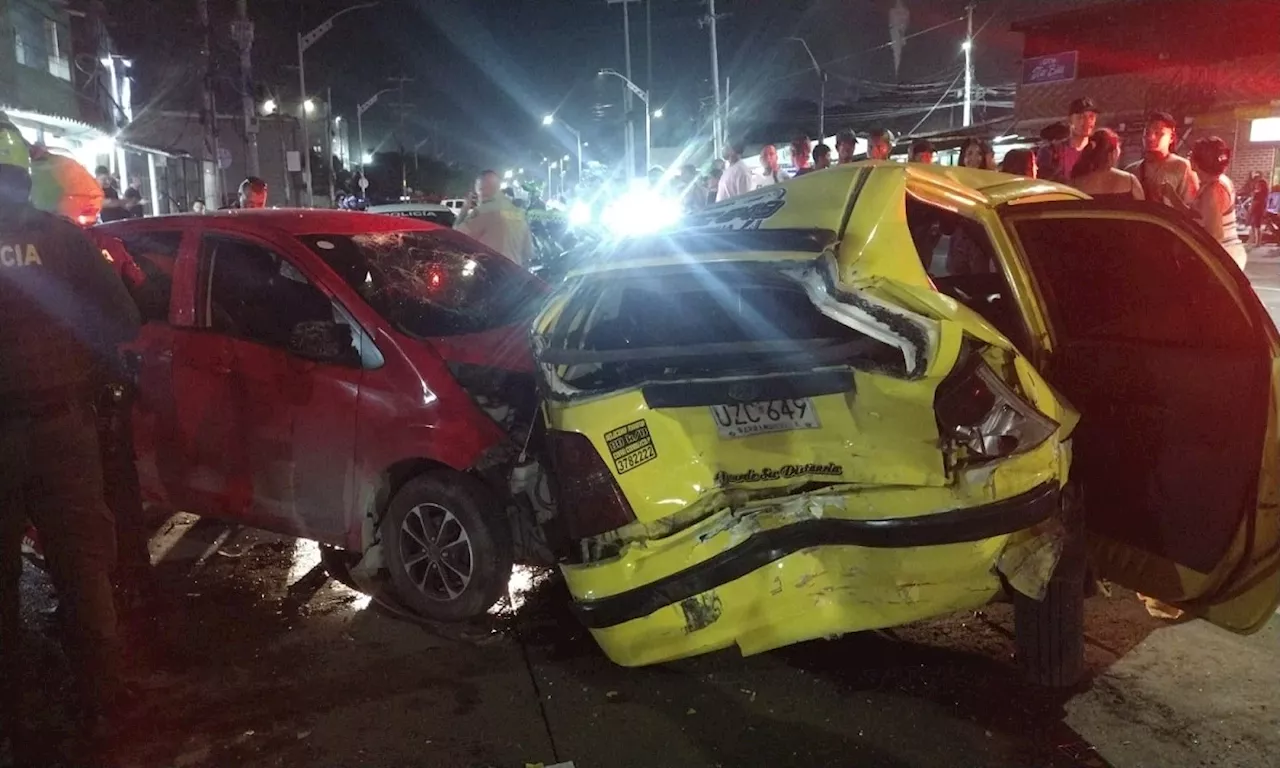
x=971, y=524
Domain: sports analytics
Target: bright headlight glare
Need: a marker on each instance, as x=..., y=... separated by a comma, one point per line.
x=640, y=213
x=580, y=215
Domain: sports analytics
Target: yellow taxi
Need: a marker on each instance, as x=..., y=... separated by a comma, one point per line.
x=886, y=392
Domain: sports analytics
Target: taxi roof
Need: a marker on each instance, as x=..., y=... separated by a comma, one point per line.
x=816, y=207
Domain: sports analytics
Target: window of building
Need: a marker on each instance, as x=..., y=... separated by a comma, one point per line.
x=22, y=51
x=58, y=42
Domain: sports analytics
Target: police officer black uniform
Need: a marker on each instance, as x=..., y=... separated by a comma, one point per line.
x=63, y=310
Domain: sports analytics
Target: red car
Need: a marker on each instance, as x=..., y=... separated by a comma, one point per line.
x=360, y=380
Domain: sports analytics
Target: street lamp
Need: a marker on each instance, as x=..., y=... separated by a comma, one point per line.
x=648, y=128
x=550, y=119
x=360, y=110
x=308, y=106
x=822, y=99
x=508, y=174
x=658, y=113
x=305, y=42
x=269, y=107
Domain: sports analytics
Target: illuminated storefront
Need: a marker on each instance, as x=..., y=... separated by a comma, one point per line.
x=1143, y=55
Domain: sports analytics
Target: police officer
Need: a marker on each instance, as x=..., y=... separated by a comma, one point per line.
x=63, y=310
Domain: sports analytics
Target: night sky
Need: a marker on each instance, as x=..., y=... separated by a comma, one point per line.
x=485, y=71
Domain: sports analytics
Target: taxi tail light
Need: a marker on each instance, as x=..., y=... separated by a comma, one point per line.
x=588, y=498
x=982, y=418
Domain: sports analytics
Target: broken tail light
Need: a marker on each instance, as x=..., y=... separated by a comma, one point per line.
x=588, y=499
x=981, y=418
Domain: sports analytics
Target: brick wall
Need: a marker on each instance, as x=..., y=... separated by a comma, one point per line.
x=1247, y=157
x=1250, y=158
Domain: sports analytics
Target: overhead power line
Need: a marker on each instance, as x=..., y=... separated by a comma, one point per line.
x=890, y=43
x=873, y=49
x=934, y=108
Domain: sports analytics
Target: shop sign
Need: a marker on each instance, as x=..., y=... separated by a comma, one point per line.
x=1054, y=68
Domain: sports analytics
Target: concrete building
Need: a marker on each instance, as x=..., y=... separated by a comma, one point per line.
x=63, y=85
x=37, y=90
x=1215, y=66
x=183, y=176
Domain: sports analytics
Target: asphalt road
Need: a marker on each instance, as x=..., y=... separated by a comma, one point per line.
x=254, y=661
x=1263, y=269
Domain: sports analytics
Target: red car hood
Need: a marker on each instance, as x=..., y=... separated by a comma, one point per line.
x=505, y=348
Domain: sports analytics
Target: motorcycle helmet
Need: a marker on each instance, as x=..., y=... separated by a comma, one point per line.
x=15, y=163
x=62, y=186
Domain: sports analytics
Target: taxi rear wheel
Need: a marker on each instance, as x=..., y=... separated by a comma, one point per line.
x=1050, y=632
x=448, y=546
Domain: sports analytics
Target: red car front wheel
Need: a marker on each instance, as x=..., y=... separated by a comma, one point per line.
x=448, y=546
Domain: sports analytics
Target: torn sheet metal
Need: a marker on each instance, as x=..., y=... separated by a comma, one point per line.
x=915, y=336
x=1030, y=557
x=911, y=334
x=743, y=523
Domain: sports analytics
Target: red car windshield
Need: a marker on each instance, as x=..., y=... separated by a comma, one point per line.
x=432, y=283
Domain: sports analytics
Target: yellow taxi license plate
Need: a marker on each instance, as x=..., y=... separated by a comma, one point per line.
x=746, y=419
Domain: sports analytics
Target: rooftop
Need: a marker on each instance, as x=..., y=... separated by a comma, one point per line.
x=1096, y=10
x=290, y=221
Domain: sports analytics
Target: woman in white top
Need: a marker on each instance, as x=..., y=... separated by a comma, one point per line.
x=1215, y=206
x=1096, y=174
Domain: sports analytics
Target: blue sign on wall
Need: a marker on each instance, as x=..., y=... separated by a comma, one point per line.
x=1055, y=68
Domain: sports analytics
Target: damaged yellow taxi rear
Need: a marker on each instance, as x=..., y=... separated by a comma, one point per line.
x=768, y=428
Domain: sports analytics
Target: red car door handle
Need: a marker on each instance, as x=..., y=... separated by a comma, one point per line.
x=222, y=369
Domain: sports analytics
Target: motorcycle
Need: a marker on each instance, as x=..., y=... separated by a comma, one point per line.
x=1270, y=217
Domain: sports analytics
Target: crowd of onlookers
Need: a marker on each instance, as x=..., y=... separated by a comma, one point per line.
x=1087, y=158
x=1077, y=153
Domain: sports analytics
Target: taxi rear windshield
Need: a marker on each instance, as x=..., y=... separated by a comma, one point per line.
x=434, y=283
x=623, y=328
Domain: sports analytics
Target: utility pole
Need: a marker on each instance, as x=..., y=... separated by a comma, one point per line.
x=724, y=121
x=626, y=96
x=330, y=127
x=208, y=107
x=360, y=110
x=648, y=118
x=404, y=172
x=968, y=69
x=822, y=99
x=417, y=161
x=717, y=126
x=242, y=34
x=305, y=42
x=305, y=119
x=648, y=53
